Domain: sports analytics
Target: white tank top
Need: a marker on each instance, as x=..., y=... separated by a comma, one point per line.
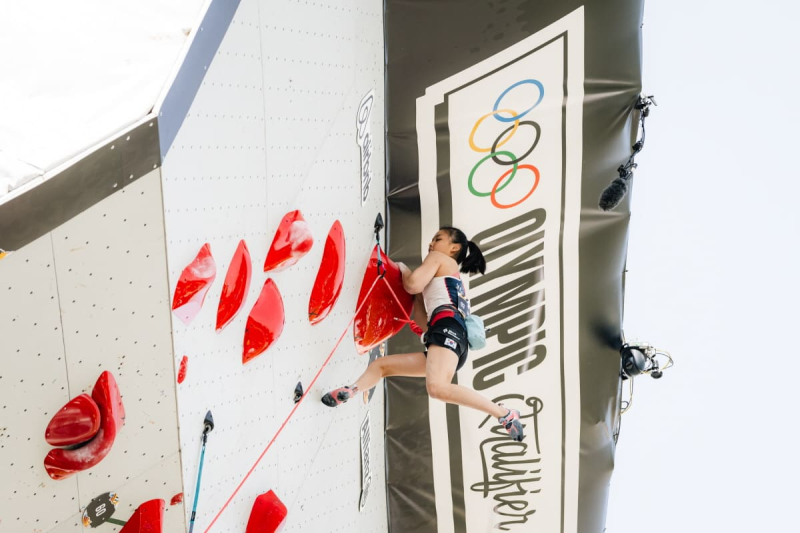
x=442, y=290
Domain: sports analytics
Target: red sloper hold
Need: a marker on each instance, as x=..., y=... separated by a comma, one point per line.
x=328, y=285
x=237, y=283
x=193, y=285
x=76, y=422
x=182, y=369
x=265, y=323
x=292, y=241
x=147, y=518
x=61, y=463
x=267, y=515
x=381, y=316
x=178, y=498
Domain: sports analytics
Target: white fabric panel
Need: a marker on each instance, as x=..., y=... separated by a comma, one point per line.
x=273, y=129
x=76, y=73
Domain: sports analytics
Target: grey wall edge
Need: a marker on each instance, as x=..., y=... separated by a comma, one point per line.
x=181, y=94
x=107, y=170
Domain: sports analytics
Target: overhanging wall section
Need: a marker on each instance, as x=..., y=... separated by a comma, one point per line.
x=272, y=129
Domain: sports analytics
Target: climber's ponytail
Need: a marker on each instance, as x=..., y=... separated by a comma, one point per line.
x=474, y=262
x=469, y=257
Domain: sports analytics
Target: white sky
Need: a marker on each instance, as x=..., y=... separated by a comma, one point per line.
x=74, y=73
x=713, y=275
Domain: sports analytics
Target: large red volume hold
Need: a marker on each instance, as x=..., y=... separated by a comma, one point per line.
x=292, y=241
x=328, y=285
x=267, y=515
x=237, y=283
x=265, y=323
x=193, y=285
x=147, y=518
x=76, y=422
x=61, y=463
x=381, y=316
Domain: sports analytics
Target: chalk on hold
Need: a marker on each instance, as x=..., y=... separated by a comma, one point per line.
x=292, y=241
x=148, y=518
x=267, y=515
x=193, y=285
x=77, y=422
x=61, y=463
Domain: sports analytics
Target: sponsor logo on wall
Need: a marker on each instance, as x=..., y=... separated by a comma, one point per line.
x=366, y=471
x=506, y=170
x=364, y=138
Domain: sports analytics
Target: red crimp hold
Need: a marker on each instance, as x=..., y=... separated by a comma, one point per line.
x=178, y=498
x=61, y=463
x=292, y=241
x=381, y=316
x=267, y=515
x=182, y=369
x=76, y=422
x=147, y=518
x=195, y=280
x=265, y=323
x=330, y=277
x=237, y=283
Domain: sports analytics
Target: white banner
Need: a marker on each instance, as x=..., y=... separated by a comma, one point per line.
x=511, y=181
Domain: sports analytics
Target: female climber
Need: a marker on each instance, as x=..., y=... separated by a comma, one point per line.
x=438, y=281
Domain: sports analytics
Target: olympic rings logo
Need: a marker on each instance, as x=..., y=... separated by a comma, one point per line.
x=506, y=116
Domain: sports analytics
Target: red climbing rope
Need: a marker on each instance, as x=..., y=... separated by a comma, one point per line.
x=411, y=324
x=310, y=386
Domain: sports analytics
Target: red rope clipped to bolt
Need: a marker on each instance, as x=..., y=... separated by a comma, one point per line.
x=310, y=386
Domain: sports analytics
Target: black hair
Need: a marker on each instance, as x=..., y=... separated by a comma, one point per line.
x=469, y=257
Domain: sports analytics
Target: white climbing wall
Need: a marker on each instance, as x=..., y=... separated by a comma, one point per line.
x=89, y=296
x=273, y=129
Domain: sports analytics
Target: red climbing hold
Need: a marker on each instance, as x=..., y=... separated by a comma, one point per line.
x=265, y=323
x=328, y=285
x=292, y=241
x=237, y=283
x=76, y=422
x=267, y=515
x=381, y=316
x=193, y=285
x=147, y=518
x=178, y=498
x=62, y=463
x=182, y=370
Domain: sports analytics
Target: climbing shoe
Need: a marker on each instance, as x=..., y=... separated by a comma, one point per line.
x=335, y=397
x=513, y=424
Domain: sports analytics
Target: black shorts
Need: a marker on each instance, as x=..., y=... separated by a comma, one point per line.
x=448, y=332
